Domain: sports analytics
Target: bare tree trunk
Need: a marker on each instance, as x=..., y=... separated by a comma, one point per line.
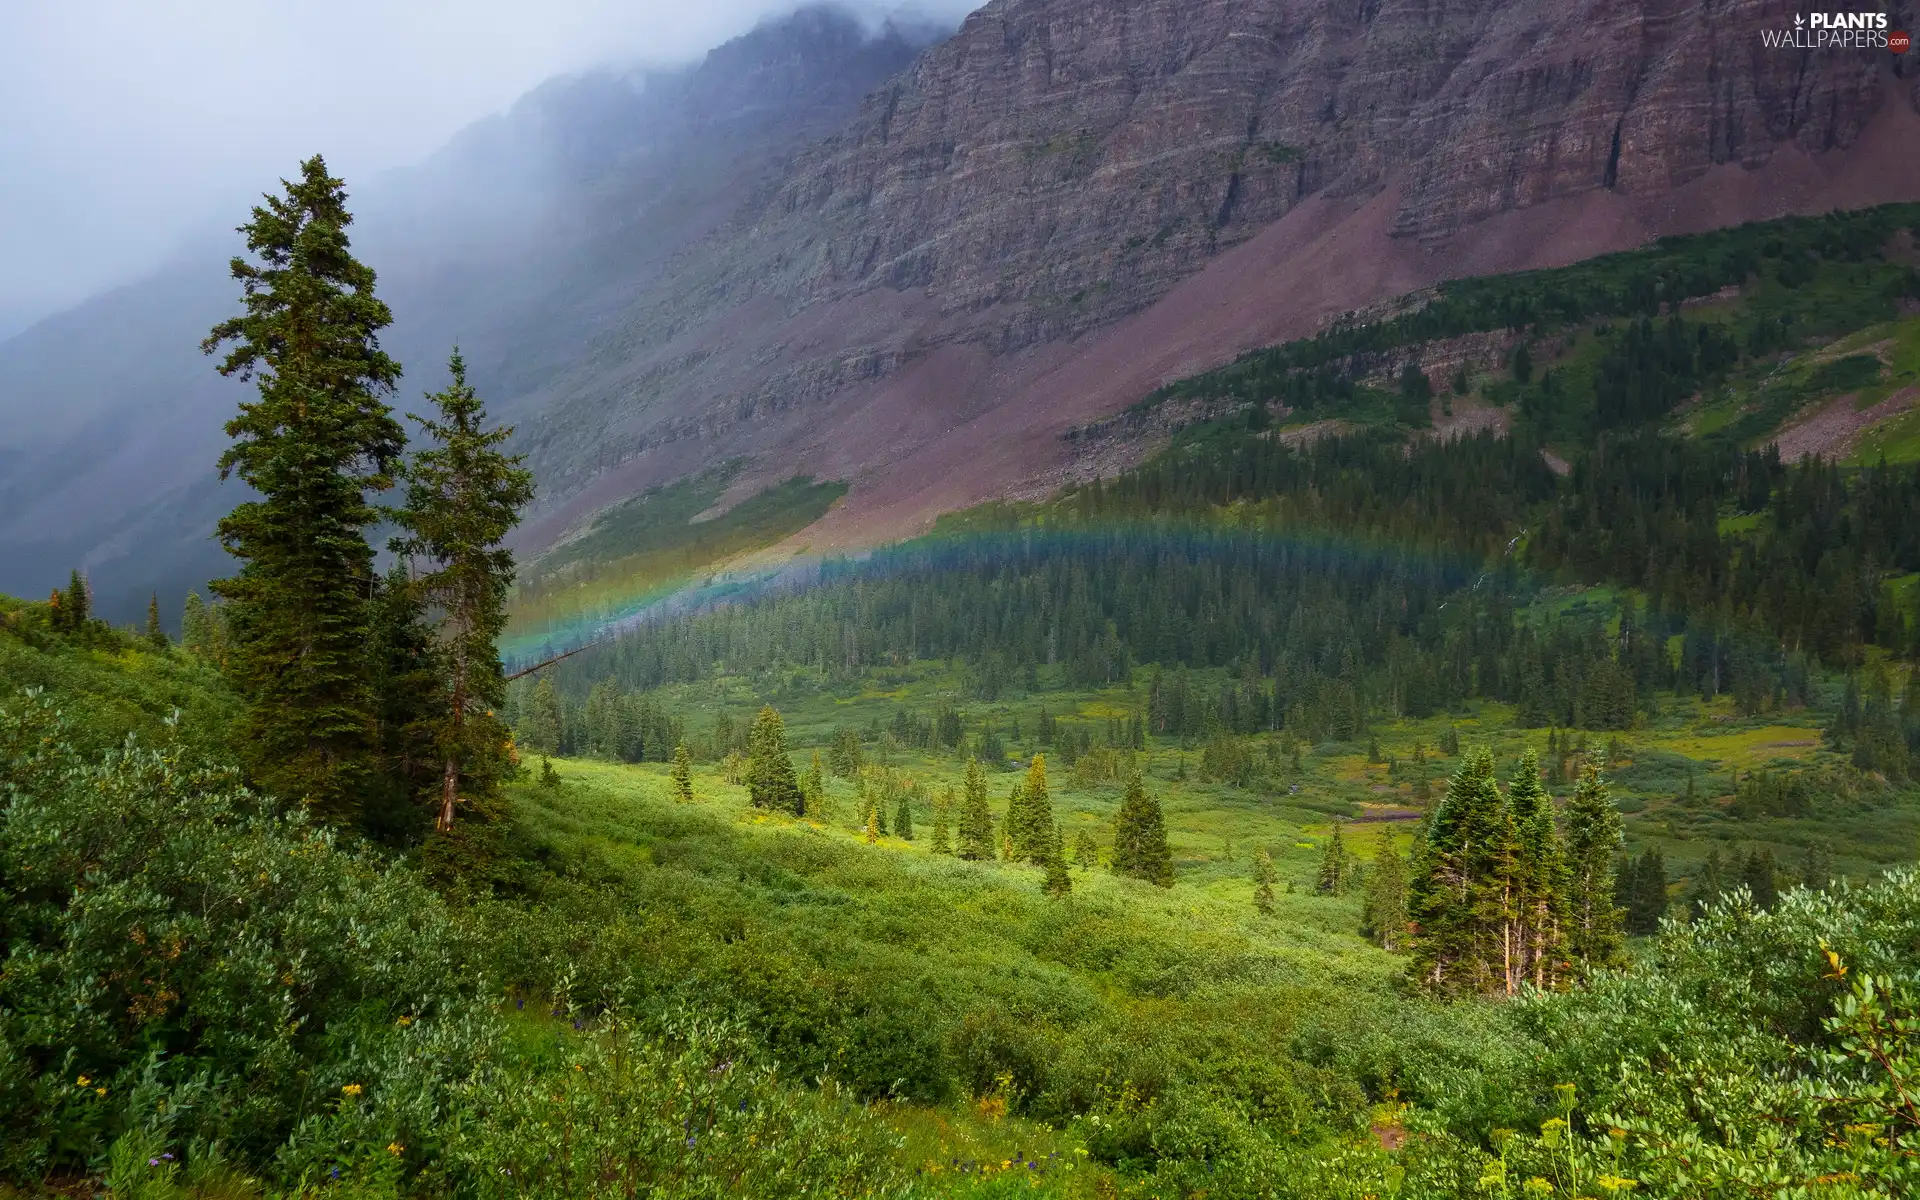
x=450, y=778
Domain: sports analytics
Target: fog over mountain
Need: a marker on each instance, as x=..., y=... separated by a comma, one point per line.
x=136, y=124
x=509, y=237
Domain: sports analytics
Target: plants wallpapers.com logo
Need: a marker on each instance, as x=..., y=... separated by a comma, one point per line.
x=1837, y=31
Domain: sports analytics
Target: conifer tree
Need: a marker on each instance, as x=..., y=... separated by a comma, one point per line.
x=682, y=774
x=316, y=440
x=1333, y=865
x=193, y=627
x=1059, y=880
x=1086, y=850
x=942, y=842
x=1140, y=837
x=1643, y=893
x=873, y=825
x=1383, y=912
x=408, y=688
x=545, y=719
x=156, y=636
x=77, y=602
x=976, y=817
x=1030, y=824
x=464, y=495
x=1458, y=894
x=770, y=779
x=903, y=819
x=1593, y=838
x=1263, y=881
x=1538, y=895
x=548, y=776
x=813, y=787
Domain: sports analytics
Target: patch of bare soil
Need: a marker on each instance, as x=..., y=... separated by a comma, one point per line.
x=1834, y=429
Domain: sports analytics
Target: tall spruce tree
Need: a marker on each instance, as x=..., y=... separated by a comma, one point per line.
x=1332, y=879
x=1458, y=893
x=194, y=637
x=1263, y=882
x=1643, y=893
x=1030, y=823
x=813, y=788
x=1383, y=911
x=1059, y=880
x=406, y=681
x=1140, y=837
x=1593, y=838
x=771, y=782
x=941, y=841
x=682, y=774
x=313, y=444
x=156, y=636
x=77, y=601
x=976, y=816
x=903, y=819
x=464, y=495
x=1539, y=887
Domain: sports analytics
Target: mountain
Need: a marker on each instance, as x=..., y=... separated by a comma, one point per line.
x=516, y=240
x=820, y=252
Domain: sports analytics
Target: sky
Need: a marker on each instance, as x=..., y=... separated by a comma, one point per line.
x=127, y=126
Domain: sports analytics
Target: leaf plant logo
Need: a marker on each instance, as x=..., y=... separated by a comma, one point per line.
x=1836, y=31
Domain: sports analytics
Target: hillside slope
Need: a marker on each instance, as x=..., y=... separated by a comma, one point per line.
x=1041, y=219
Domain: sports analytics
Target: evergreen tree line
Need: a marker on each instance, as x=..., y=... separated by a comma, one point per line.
x=1635, y=284
x=371, y=698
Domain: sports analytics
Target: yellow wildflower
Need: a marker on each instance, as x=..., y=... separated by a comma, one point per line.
x=1614, y=1183
x=83, y=1081
x=352, y=1089
x=394, y=1148
x=404, y=1021
x=99, y=1091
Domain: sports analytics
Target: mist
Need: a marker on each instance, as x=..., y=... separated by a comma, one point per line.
x=138, y=125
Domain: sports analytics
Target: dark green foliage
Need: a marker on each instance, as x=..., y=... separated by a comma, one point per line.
x=1457, y=897
x=844, y=756
x=234, y=957
x=1761, y=878
x=1593, y=839
x=682, y=774
x=1635, y=283
x=1140, y=837
x=1383, y=917
x=976, y=817
x=76, y=608
x=903, y=819
x=942, y=840
x=313, y=444
x=464, y=495
x=1538, y=892
x=1336, y=867
x=156, y=636
x=1642, y=892
x=408, y=688
x=1059, y=881
x=548, y=776
x=770, y=779
x=1030, y=824
x=1263, y=882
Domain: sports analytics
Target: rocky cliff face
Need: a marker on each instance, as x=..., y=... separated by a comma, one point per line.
x=1058, y=164
x=838, y=254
